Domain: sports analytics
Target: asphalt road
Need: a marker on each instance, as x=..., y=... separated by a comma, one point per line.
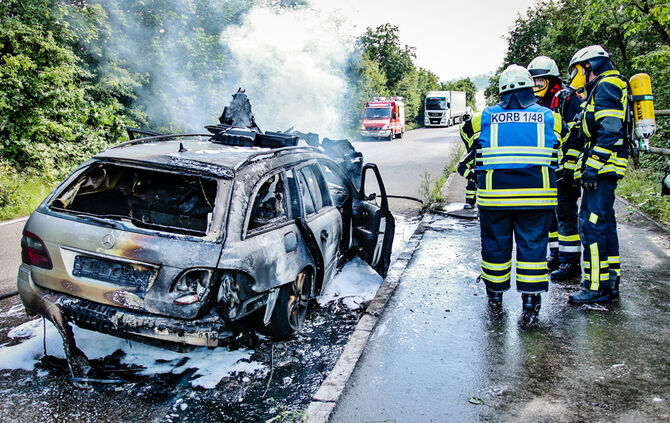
x=10, y=253
x=404, y=162
x=438, y=354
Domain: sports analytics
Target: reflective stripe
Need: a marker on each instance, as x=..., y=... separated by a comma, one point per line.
x=609, y=112
x=569, y=248
x=517, y=202
x=553, y=245
x=490, y=278
x=593, y=218
x=497, y=266
x=545, y=179
x=489, y=179
x=594, y=163
x=595, y=270
x=494, y=135
x=531, y=278
x=572, y=153
x=533, y=151
x=553, y=235
x=525, y=192
x=613, y=259
x=531, y=265
x=599, y=149
x=540, y=135
x=517, y=160
x=568, y=237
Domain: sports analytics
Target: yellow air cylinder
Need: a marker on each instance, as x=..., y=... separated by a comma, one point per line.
x=643, y=107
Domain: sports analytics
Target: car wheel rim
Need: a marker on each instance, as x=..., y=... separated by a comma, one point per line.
x=298, y=300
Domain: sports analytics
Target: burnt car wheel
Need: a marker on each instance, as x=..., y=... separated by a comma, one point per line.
x=291, y=308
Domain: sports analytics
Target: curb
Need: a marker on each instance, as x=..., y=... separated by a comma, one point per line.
x=325, y=399
x=659, y=225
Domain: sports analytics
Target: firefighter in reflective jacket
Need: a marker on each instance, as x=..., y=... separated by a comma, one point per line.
x=564, y=245
x=601, y=164
x=466, y=168
x=516, y=158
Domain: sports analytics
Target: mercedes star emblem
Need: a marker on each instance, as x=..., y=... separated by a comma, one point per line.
x=108, y=241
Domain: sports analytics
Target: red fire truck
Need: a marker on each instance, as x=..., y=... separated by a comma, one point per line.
x=384, y=118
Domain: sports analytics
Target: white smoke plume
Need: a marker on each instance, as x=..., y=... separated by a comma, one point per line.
x=292, y=62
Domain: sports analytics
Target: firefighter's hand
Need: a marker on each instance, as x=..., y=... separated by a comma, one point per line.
x=590, y=179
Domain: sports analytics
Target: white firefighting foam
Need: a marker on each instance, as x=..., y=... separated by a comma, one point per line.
x=211, y=364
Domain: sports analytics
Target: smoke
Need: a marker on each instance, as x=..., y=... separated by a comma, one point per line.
x=179, y=61
x=292, y=63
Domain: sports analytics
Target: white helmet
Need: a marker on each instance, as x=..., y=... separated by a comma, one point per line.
x=588, y=53
x=514, y=77
x=543, y=66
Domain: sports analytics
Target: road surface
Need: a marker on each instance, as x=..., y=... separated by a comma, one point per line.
x=404, y=162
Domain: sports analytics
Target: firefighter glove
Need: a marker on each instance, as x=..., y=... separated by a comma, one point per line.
x=590, y=178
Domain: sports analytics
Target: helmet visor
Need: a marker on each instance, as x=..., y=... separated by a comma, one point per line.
x=577, y=77
x=540, y=87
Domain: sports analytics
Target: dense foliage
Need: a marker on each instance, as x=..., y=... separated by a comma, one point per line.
x=637, y=35
x=387, y=68
x=73, y=74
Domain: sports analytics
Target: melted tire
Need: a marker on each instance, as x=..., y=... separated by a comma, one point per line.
x=289, y=313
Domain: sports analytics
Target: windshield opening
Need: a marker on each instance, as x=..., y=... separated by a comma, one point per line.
x=165, y=201
x=377, y=113
x=439, y=103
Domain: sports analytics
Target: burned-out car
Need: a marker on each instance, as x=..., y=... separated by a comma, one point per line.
x=178, y=238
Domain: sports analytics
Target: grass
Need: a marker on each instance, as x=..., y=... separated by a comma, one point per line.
x=430, y=190
x=642, y=188
x=21, y=194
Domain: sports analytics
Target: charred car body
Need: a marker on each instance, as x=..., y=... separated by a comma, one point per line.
x=178, y=237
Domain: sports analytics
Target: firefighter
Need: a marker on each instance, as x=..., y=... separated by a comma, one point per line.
x=601, y=164
x=516, y=157
x=466, y=169
x=564, y=245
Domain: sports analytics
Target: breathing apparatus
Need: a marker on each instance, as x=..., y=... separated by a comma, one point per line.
x=643, y=109
x=640, y=97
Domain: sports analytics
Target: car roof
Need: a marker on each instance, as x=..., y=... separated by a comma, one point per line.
x=197, y=155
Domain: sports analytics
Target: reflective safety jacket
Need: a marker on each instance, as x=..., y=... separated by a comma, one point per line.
x=604, y=125
x=516, y=156
x=567, y=103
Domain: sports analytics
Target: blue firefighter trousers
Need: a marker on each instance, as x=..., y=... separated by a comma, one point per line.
x=529, y=229
x=569, y=245
x=598, y=233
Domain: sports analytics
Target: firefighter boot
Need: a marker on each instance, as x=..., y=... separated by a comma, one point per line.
x=552, y=261
x=589, y=296
x=614, y=285
x=531, y=303
x=468, y=206
x=495, y=298
x=566, y=271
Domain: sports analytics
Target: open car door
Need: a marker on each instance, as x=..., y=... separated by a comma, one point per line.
x=373, y=224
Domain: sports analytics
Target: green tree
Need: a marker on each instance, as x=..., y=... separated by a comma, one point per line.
x=464, y=84
x=46, y=120
x=383, y=45
x=365, y=80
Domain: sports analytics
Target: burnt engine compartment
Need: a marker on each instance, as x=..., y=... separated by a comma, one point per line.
x=161, y=200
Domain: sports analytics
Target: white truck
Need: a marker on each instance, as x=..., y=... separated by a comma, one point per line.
x=444, y=108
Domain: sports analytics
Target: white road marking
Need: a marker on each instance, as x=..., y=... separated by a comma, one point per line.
x=9, y=222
